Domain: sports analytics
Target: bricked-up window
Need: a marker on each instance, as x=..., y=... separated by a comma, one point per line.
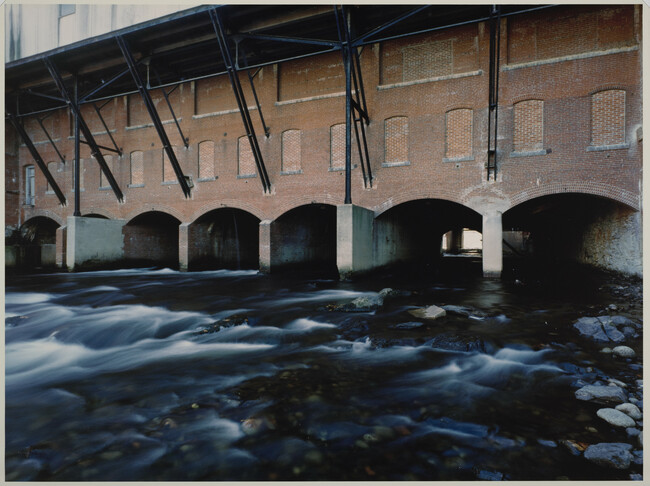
x=396, y=133
x=206, y=160
x=246, y=161
x=52, y=168
x=337, y=147
x=427, y=60
x=458, y=134
x=168, y=169
x=608, y=117
x=30, y=185
x=291, y=161
x=137, y=168
x=103, y=180
x=529, y=126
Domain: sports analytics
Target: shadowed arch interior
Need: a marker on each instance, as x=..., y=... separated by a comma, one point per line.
x=412, y=231
x=304, y=239
x=224, y=238
x=580, y=228
x=151, y=238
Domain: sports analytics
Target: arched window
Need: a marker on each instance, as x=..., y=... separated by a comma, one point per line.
x=396, y=133
x=246, y=161
x=458, y=134
x=137, y=169
x=529, y=126
x=206, y=160
x=291, y=151
x=608, y=117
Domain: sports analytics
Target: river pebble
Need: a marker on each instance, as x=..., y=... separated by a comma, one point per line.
x=624, y=352
x=632, y=432
x=615, y=455
x=615, y=418
x=431, y=312
x=629, y=409
x=489, y=475
x=601, y=394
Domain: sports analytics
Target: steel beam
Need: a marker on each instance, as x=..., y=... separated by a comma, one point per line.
x=241, y=100
x=98, y=110
x=74, y=106
x=357, y=104
x=171, y=109
x=77, y=153
x=493, y=102
x=257, y=101
x=40, y=122
x=37, y=158
x=151, y=108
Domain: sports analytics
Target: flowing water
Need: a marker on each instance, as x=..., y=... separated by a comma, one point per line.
x=153, y=374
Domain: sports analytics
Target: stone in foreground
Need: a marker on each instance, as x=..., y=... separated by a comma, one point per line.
x=601, y=394
x=616, y=417
x=431, y=312
x=630, y=409
x=624, y=352
x=613, y=454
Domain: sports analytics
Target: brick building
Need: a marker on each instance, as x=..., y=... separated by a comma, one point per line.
x=516, y=118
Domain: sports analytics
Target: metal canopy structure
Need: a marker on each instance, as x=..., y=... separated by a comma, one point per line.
x=208, y=41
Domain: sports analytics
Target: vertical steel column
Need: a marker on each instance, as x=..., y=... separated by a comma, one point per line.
x=37, y=158
x=348, y=127
x=77, y=154
x=74, y=106
x=493, y=110
x=151, y=108
x=241, y=100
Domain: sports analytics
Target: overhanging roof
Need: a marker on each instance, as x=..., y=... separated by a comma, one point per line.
x=182, y=46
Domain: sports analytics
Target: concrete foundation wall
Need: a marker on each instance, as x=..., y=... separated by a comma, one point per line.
x=614, y=242
x=93, y=242
x=354, y=239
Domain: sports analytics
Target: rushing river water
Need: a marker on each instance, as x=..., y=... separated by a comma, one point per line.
x=231, y=375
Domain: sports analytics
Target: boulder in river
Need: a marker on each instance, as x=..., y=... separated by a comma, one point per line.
x=629, y=409
x=610, y=454
x=607, y=328
x=431, y=312
x=623, y=352
x=607, y=395
x=407, y=325
x=616, y=417
x=465, y=311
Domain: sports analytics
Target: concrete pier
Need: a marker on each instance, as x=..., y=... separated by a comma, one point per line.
x=354, y=239
x=492, y=244
x=93, y=242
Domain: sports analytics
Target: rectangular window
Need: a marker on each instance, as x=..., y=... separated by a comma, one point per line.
x=137, y=169
x=458, y=134
x=246, y=160
x=608, y=118
x=291, y=162
x=30, y=188
x=396, y=136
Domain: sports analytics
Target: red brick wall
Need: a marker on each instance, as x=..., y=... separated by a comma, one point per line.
x=395, y=87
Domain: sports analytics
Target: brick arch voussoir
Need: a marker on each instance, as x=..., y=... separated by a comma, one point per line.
x=45, y=214
x=229, y=204
x=608, y=191
x=101, y=211
x=304, y=200
x=418, y=194
x=154, y=207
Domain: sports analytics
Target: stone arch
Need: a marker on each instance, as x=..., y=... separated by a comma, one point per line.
x=152, y=237
x=582, y=187
x=304, y=200
x=101, y=211
x=229, y=203
x=416, y=194
x=159, y=208
x=45, y=213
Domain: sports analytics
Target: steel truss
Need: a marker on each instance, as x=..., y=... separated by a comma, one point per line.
x=94, y=148
x=37, y=158
x=155, y=118
x=241, y=99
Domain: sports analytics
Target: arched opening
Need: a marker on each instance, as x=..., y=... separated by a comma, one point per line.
x=95, y=215
x=425, y=230
x=579, y=228
x=151, y=238
x=304, y=239
x=35, y=245
x=224, y=238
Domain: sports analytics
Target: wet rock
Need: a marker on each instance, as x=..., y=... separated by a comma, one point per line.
x=613, y=334
x=225, y=323
x=624, y=352
x=615, y=417
x=629, y=332
x=629, y=409
x=632, y=432
x=606, y=350
x=406, y=325
x=615, y=382
x=453, y=342
x=636, y=477
x=363, y=304
x=573, y=447
x=615, y=455
x=547, y=443
x=607, y=395
x=591, y=328
x=388, y=293
x=638, y=457
x=431, y=312
x=465, y=311
x=489, y=475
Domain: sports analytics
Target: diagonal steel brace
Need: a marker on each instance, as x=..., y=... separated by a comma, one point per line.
x=153, y=113
x=37, y=158
x=74, y=106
